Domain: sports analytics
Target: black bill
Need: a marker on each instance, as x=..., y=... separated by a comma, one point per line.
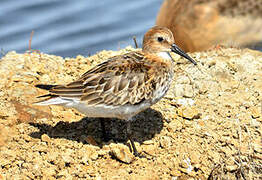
x=179, y=51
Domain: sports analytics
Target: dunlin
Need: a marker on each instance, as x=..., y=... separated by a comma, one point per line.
x=124, y=85
x=203, y=24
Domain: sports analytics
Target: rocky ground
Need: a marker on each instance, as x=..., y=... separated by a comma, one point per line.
x=208, y=126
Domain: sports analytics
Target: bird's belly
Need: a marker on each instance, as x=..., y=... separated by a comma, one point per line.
x=125, y=112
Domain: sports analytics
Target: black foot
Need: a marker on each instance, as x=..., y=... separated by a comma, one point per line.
x=129, y=136
x=135, y=152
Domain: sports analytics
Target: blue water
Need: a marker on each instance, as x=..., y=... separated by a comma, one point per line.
x=71, y=27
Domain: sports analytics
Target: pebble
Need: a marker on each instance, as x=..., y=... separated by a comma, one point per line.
x=231, y=168
x=254, y=123
x=147, y=142
x=45, y=138
x=150, y=149
x=122, y=153
x=188, y=112
x=165, y=142
x=255, y=112
x=184, y=90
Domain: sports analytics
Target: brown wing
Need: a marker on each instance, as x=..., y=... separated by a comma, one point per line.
x=118, y=81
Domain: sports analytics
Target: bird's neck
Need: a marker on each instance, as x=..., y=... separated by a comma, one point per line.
x=165, y=55
x=162, y=59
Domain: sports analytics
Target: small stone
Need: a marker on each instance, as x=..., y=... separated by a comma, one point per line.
x=67, y=158
x=188, y=112
x=188, y=91
x=195, y=157
x=175, y=125
x=185, y=101
x=184, y=164
x=231, y=168
x=201, y=122
x=52, y=157
x=45, y=138
x=244, y=148
x=254, y=123
x=92, y=153
x=147, y=142
x=122, y=153
x=183, y=80
x=175, y=172
x=84, y=160
x=184, y=90
x=257, y=146
x=150, y=149
x=28, y=138
x=183, y=170
x=255, y=112
x=165, y=142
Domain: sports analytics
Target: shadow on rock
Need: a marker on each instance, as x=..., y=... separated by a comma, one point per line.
x=144, y=127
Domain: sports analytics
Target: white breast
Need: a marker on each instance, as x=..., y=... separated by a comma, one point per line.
x=165, y=55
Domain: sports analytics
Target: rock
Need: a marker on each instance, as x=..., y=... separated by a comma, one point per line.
x=174, y=126
x=165, y=142
x=184, y=90
x=195, y=157
x=53, y=157
x=188, y=113
x=183, y=80
x=257, y=146
x=255, y=112
x=122, y=153
x=176, y=173
x=150, y=149
x=45, y=138
x=255, y=123
x=186, y=102
x=231, y=168
x=92, y=153
x=148, y=142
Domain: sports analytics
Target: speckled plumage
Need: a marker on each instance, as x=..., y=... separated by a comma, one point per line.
x=124, y=85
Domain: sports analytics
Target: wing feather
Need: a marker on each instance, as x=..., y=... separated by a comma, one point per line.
x=121, y=80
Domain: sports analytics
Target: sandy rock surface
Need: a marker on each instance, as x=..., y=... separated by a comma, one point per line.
x=207, y=126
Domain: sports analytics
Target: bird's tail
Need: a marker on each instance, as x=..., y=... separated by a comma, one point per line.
x=45, y=86
x=51, y=99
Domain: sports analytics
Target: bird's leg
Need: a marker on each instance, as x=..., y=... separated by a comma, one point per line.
x=129, y=136
x=105, y=135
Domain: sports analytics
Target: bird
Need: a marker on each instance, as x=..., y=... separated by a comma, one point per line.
x=123, y=85
x=203, y=24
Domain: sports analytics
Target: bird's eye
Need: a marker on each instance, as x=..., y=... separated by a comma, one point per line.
x=160, y=39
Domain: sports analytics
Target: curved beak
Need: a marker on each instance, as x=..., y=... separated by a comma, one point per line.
x=177, y=50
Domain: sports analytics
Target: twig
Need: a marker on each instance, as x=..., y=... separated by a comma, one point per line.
x=30, y=50
x=30, y=40
x=134, y=38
